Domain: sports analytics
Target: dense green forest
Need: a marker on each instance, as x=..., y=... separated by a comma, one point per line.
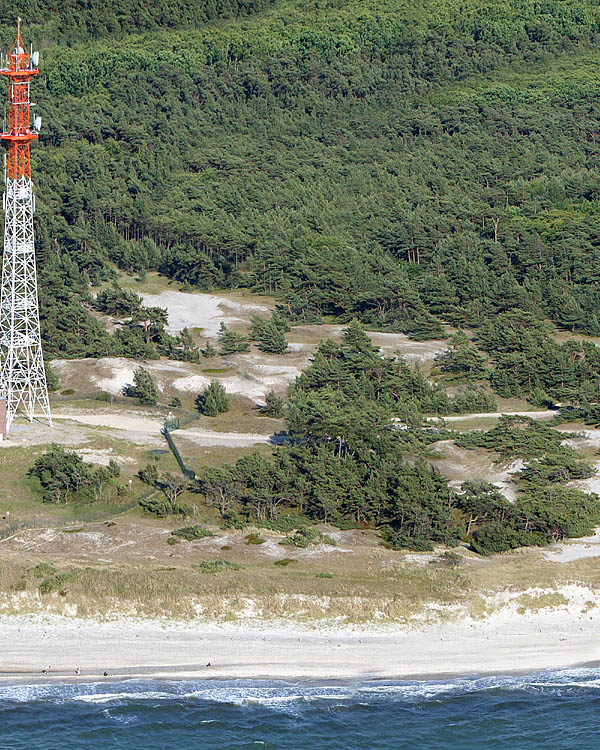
x=406, y=164
x=403, y=164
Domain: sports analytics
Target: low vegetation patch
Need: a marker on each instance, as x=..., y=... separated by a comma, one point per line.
x=216, y=566
x=55, y=583
x=43, y=570
x=254, y=539
x=306, y=536
x=189, y=533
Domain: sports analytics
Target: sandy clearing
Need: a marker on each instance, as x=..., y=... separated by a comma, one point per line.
x=459, y=465
x=251, y=376
x=565, y=552
x=412, y=351
x=205, y=311
x=102, y=456
x=38, y=433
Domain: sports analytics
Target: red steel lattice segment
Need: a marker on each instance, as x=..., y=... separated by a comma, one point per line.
x=19, y=70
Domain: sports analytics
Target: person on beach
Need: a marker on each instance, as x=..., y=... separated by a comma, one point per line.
x=78, y=670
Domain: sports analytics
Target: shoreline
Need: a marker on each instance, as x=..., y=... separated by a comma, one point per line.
x=128, y=648
x=34, y=679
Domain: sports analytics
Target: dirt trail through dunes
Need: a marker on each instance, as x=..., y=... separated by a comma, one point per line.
x=151, y=427
x=498, y=414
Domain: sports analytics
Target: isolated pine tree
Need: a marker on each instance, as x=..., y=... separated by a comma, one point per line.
x=270, y=339
x=232, y=342
x=209, y=350
x=144, y=388
x=213, y=400
x=273, y=405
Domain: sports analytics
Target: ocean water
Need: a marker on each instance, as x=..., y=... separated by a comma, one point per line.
x=546, y=710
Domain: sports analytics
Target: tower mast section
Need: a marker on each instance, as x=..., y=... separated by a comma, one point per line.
x=22, y=373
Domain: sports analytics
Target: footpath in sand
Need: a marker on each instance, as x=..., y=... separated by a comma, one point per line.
x=149, y=427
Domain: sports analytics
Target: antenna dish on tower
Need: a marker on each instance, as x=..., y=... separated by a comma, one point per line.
x=35, y=58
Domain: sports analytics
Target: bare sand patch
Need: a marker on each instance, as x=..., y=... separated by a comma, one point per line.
x=102, y=456
x=566, y=552
x=459, y=465
x=205, y=311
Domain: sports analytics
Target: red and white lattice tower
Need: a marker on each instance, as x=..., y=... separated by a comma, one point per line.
x=22, y=375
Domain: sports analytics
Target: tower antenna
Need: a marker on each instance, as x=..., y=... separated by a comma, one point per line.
x=22, y=374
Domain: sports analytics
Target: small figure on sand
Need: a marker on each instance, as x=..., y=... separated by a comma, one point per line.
x=78, y=670
x=106, y=674
x=208, y=665
x=46, y=670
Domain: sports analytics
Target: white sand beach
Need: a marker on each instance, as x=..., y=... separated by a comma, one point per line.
x=127, y=648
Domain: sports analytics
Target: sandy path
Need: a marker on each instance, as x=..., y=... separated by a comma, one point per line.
x=133, y=648
x=497, y=414
x=152, y=426
x=116, y=421
x=229, y=439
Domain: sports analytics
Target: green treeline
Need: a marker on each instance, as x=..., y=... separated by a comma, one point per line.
x=68, y=20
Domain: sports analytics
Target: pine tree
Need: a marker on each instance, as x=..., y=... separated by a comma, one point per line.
x=209, y=350
x=270, y=339
x=144, y=388
x=273, y=405
x=52, y=380
x=187, y=349
x=232, y=342
x=213, y=400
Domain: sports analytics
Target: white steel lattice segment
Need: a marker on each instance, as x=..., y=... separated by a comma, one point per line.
x=22, y=374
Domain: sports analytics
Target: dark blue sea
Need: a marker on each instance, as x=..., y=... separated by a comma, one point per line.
x=545, y=710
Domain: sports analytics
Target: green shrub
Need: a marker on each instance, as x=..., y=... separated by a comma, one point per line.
x=192, y=532
x=54, y=583
x=285, y=561
x=43, y=570
x=232, y=342
x=254, y=539
x=497, y=537
x=324, y=575
x=216, y=566
x=68, y=392
x=162, y=508
x=305, y=536
x=213, y=400
x=274, y=405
